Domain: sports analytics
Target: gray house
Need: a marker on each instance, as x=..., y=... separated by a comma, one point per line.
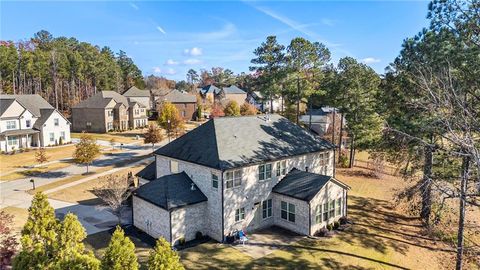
x=143, y=97
x=245, y=172
x=107, y=111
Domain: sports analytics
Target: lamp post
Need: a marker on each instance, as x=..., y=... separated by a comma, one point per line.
x=33, y=183
x=168, y=130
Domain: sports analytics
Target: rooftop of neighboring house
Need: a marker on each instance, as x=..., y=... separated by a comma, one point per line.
x=232, y=89
x=303, y=185
x=135, y=92
x=230, y=142
x=34, y=103
x=102, y=99
x=171, y=191
x=209, y=89
x=176, y=96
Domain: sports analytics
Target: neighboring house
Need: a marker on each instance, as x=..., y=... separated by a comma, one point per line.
x=256, y=98
x=209, y=93
x=107, y=111
x=245, y=172
x=143, y=97
x=224, y=95
x=30, y=121
x=185, y=103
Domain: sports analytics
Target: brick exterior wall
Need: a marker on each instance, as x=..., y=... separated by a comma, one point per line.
x=329, y=192
x=151, y=219
x=186, y=110
x=189, y=220
x=97, y=117
x=301, y=224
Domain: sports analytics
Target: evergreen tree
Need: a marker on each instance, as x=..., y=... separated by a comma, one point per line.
x=120, y=253
x=163, y=257
x=39, y=236
x=232, y=109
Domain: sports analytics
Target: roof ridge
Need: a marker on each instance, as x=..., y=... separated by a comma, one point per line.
x=216, y=145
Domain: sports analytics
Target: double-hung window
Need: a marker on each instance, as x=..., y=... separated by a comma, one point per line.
x=173, y=166
x=318, y=214
x=214, y=180
x=52, y=137
x=288, y=211
x=28, y=123
x=267, y=208
x=56, y=122
x=12, y=140
x=240, y=214
x=331, y=209
x=62, y=135
x=233, y=178
x=325, y=212
x=281, y=167
x=264, y=172
x=339, y=206
x=11, y=124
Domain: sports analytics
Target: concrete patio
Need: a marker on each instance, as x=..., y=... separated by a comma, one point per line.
x=265, y=241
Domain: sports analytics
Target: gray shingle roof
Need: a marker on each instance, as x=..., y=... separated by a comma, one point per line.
x=233, y=90
x=209, y=88
x=176, y=96
x=101, y=100
x=135, y=92
x=33, y=103
x=171, y=191
x=230, y=142
x=45, y=114
x=4, y=104
x=303, y=185
x=148, y=172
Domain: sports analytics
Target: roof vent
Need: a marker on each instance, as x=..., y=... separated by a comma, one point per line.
x=193, y=187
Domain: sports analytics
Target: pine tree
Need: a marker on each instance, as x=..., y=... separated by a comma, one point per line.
x=163, y=257
x=232, y=109
x=69, y=249
x=38, y=236
x=120, y=253
x=86, y=150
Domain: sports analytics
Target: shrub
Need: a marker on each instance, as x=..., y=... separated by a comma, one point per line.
x=329, y=227
x=343, y=220
x=343, y=161
x=60, y=141
x=322, y=232
x=336, y=224
x=181, y=241
x=198, y=235
x=56, y=143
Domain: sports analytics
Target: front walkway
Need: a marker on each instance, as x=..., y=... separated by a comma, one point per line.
x=265, y=241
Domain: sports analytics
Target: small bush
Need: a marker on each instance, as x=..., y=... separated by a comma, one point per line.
x=343, y=161
x=60, y=141
x=322, y=232
x=329, y=227
x=181, y=241
x=343, y=220
x=2, y=152
x=336, y=224
x=198, y=235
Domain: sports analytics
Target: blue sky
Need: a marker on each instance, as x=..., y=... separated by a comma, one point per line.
x=169, y=37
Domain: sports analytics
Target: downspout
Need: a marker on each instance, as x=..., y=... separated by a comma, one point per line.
x=223, y=210
x=309, y=219
x=171, y=231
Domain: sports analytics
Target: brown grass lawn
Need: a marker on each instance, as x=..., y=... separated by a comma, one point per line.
x=20, y=160
x=81, y=193
x=20, y=216
x=35, y=171
x=119, y=137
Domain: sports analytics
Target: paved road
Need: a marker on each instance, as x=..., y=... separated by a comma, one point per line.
x=94, y=218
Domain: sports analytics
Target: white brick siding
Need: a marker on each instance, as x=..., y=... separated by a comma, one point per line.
x=188, y=220
x=151, y=219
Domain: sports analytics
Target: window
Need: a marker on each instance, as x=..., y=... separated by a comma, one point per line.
x=28, y=123
x=324, y=162
x=331, y=212
x=183, y=114
x=173, y=166
x=233, y=178
x=325, y=212
x=264, y=172
x=318, y=214
x=12, y=141
x=214, y=180
x=136, y=112
x=281, y=167
x=109, y=126
x=142, y=110
x=55, y=122
x=306, y=168
x=11, y=124
x=110, y=113
x=62, y=135
x=89, y=124
x=240, y=214
x=52, y=137
x=288, y=211
x=267, y=208
x=339, y=206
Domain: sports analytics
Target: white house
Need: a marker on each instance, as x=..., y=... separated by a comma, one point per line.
x=30, y=121
x=263, y=104
x=245, y=172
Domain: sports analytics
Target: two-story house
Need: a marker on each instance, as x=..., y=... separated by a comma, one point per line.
x=143, y=97
x=223, y=95
x=185, y=103
x=107, y=111
x=30, y=121
x=245, y=172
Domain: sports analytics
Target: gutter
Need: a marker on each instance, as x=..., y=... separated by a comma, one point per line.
x=223, y=210
x=309, y=219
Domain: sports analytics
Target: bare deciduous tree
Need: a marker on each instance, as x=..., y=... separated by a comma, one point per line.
x=114, y=192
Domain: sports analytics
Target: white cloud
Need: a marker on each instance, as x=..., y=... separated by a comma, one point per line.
x=192, y=61
x=370, y=60
x=171, y=62
x=195, y=51
x=161, y=30
x=134, y=6
x=169, y=71
x=157, y=70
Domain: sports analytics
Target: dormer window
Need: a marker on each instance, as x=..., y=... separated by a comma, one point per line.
x=28, y=123
x=56, y=122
